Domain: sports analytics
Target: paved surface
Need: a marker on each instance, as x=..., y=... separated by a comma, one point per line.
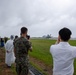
x=31, y=73
x=34, y=71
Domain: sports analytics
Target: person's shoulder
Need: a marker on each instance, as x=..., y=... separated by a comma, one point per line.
x=73, y=47
x=24, y=40
x=54, y=46
x=21, y=39
x=18, y=39
x=8, y=42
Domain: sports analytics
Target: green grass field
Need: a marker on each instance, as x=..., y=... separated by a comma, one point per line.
x=41, y=50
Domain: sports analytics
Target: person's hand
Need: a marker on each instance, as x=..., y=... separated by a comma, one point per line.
x=58, y=40
x=30, y=49
x=7, y=51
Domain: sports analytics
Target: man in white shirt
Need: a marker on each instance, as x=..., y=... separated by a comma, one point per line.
x=63, y=54
x=10, y=57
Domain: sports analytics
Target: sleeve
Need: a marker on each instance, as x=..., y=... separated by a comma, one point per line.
x=9, y=46
x=74, y=52
x=6, y=46
x=51, y=49
x=28, y=44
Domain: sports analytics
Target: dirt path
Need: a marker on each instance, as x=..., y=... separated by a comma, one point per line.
x=45, y=68
x=3, y=69
x=6, y=71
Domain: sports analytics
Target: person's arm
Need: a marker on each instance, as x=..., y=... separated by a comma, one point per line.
x=14, y=48
x=58, y=40
x=74, y=52
x=30, y=49
x=6, y=47
x=28, y=45
x=14, y=51
x=51, y=48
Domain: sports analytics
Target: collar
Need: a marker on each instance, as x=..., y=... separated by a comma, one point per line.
x=23, y=37
x=64, y=43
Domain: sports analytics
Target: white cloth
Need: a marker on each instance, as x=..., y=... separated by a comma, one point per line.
x=63, y=58
x=10, y=57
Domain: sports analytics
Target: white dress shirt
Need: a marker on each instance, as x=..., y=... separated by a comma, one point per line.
x=63, y=58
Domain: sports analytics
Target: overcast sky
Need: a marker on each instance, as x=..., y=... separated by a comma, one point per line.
x=41, y=17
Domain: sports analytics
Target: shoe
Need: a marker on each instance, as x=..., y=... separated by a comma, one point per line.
x=8, y=66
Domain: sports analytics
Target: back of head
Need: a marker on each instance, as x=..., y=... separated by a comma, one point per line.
x=11, y=37
x=2, y=40
x=65, y=34
x=24, y=30
x=16, y=37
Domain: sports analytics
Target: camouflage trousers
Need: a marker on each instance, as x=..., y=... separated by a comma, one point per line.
x=22, y=69
x=22, y=65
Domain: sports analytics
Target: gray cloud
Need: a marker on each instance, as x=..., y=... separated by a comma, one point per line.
x=40, y=16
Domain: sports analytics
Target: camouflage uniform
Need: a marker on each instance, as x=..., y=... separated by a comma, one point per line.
x=22, y=46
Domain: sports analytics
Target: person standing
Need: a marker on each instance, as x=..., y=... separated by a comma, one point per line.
x=5, y=39
x=10, y=57
x=63, y=54
x=2, y=42
x=21, y=47
x=16, y=37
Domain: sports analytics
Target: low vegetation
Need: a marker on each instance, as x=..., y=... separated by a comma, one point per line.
x=41, y=51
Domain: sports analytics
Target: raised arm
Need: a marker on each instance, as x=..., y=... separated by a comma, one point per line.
x=29, y=46
x=58, y=40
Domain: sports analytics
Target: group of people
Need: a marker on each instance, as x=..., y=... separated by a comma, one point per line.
x=62, y=52
x=17, y=52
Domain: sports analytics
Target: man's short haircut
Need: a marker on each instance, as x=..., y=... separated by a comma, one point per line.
x=16, y=37
x=24, y=30
x=65, y=34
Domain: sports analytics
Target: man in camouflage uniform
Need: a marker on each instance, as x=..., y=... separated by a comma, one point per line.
x=22, y=45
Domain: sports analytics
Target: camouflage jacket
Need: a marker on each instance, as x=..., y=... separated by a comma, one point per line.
x=21, y=45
